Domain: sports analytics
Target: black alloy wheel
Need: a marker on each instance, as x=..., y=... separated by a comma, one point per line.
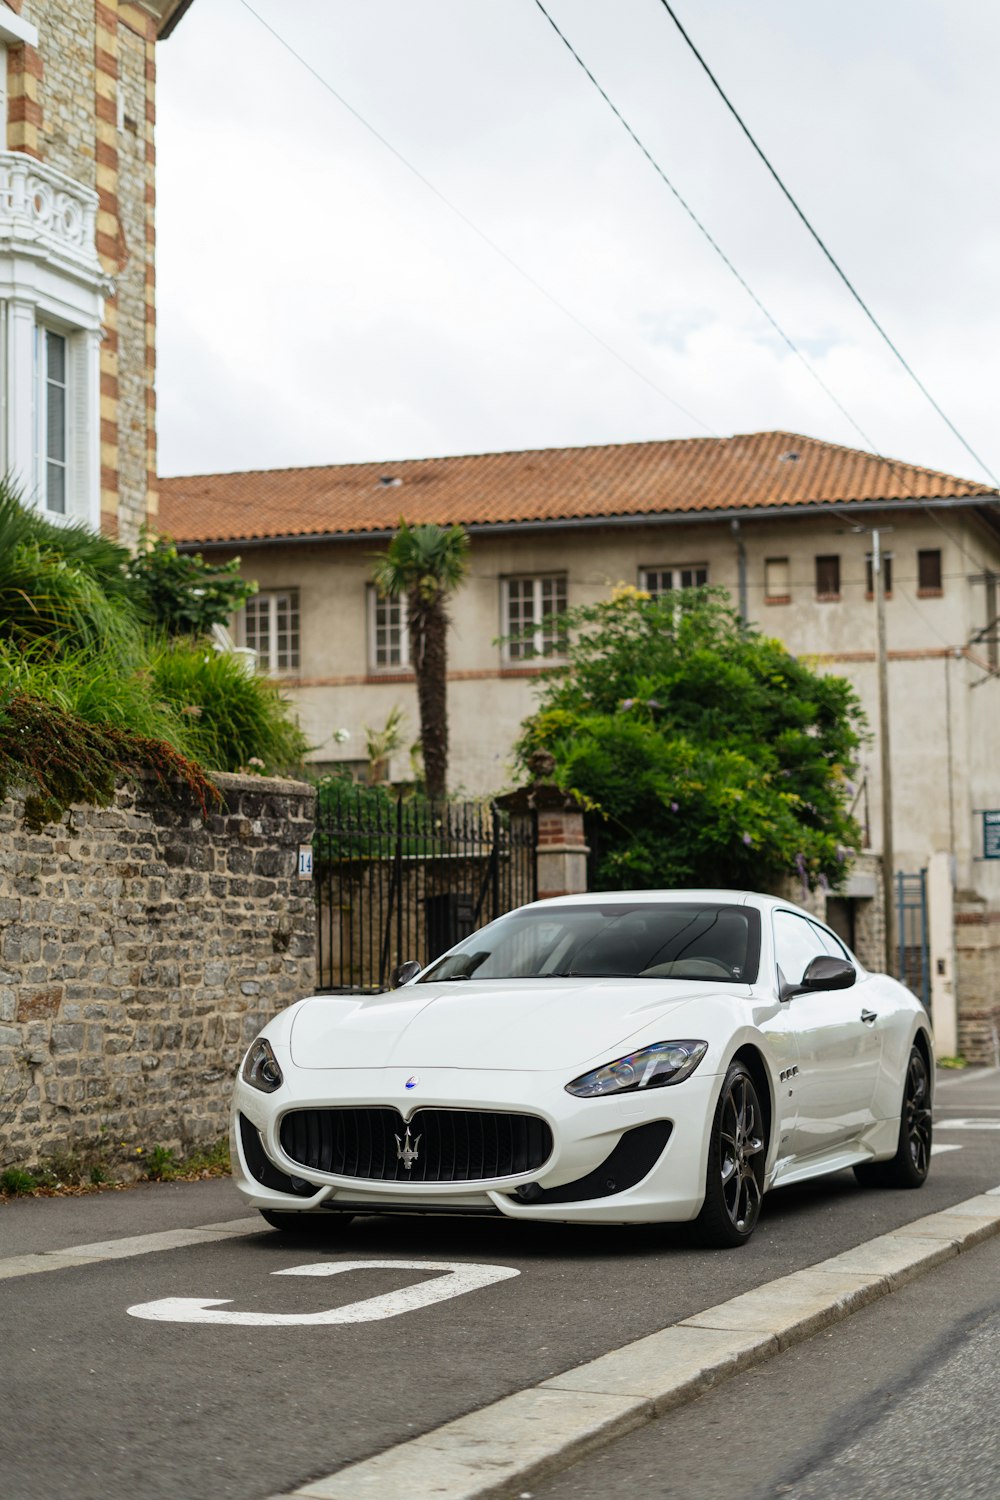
x=911, y=1163
x=735, y=1181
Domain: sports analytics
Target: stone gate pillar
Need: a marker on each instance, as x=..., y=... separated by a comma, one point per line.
x=560, y=845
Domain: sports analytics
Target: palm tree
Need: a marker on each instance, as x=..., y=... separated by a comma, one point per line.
x=424, y=564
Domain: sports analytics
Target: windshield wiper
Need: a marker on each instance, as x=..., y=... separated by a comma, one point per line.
x=593, y=974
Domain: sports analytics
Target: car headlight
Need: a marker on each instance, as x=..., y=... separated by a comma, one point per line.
x=260, y=1068
x=650, y=1068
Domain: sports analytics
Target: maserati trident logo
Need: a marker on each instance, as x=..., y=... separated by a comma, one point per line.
x=406, y=1149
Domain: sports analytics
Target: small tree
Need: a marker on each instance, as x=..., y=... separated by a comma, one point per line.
x=424, y=565
x=714, y=755
x=181, y=593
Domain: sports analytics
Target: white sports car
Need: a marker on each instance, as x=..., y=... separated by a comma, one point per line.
x=629, y=1057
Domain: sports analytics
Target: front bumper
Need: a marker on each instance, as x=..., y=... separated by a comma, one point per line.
x=586, y=1133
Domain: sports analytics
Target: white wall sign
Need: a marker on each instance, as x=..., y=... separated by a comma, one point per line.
x=305, y=861
x=455, y=1279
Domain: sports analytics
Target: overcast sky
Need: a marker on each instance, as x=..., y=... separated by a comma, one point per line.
x=318, y=304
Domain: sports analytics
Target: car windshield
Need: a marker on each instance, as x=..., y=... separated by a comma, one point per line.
x=651, y=940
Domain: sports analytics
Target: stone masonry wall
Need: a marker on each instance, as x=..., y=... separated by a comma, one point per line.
x=67, y=87
x=977, y=965
x=141, y=949
x=136, y=456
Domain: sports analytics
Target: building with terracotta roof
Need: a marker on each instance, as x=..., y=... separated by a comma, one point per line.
x=781, y=521
x=77, y=246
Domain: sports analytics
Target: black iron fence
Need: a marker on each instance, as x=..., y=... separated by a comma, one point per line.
x=397, y=878
x=913, y=965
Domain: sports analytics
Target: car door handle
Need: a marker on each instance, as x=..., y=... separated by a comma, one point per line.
x=869, y=1015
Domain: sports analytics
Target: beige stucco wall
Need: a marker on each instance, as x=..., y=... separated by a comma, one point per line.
x=943, y=727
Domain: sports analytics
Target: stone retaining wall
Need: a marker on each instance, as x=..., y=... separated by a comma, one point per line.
x=977, y=964
x=141, y=949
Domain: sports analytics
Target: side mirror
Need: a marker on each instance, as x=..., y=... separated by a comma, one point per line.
x=405, y=972
x=823, y=973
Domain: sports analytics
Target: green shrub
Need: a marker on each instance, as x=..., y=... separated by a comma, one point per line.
x=63, y=586
x=714, y=756
x=93, y=687
x=14, y=1181
x=233, y=715
x=59, y=759
x=91, y=695
x=181, y=592
x=159, y=1164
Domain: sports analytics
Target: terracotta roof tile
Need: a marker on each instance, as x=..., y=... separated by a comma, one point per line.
x=761, y=470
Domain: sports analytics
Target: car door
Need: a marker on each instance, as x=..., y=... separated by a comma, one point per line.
x=838, y=1051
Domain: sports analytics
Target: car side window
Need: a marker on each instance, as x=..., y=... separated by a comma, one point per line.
x=831, y=943
x=796, y=943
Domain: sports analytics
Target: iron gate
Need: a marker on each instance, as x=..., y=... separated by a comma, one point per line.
x=397, y=878
x=913, y=957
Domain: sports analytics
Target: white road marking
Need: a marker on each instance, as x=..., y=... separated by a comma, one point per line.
x=122, y=1249
x=968, y=1075
x=939, y=1147
x=967, y=1124
x=455, y=1280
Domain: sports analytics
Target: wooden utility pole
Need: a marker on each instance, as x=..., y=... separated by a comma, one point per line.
x=888, y=857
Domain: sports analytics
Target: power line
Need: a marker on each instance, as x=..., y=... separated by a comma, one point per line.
x=873, y=448
x=703, y=228
x=566, y=311
x=470, y=224
x=823, y=246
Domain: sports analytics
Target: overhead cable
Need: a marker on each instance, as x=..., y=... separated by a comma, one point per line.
x=838, y=268
x=786, y=339
x=869, y=443
x=470, y=224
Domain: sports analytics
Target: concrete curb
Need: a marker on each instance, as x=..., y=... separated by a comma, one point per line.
x=493, y=1453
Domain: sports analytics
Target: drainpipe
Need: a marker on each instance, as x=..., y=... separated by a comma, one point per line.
x=741, y=569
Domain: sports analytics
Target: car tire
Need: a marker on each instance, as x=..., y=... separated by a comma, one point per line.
x=734, y=1182
x=310, y=1226
x=911, y=1163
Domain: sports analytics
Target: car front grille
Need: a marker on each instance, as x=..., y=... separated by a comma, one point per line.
x=440, y=1145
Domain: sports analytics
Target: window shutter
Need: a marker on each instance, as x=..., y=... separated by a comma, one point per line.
x=83, y=437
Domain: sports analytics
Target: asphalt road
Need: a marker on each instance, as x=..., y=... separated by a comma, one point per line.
x=898, y=1401
x=98, y=1403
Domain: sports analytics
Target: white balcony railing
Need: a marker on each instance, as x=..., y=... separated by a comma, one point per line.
x=44, y=213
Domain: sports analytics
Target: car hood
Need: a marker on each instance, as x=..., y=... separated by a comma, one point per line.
x=514, y=1024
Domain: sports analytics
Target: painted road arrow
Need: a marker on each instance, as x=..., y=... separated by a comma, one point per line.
x=455, y=1280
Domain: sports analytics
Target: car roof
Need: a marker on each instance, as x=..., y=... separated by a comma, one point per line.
x=613, y=898
x=722, y=897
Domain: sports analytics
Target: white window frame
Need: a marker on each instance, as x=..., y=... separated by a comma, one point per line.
x=267, y=661
x=50, y=280
x=14, y=28
x=522, y=651
x=675, y=572
x=385, y=605
x=44, y=458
